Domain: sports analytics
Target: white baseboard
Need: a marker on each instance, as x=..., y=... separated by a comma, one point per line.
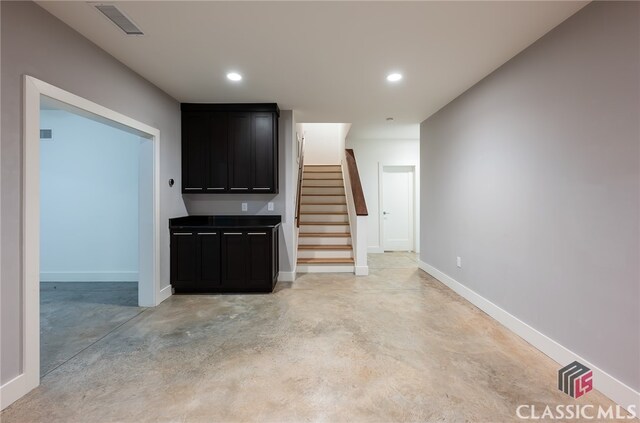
x=286, y=276
x=616, y=390
x=164, y=293
x=98, y=276
x=14, y=390
x=362, y=270
x=375, y=250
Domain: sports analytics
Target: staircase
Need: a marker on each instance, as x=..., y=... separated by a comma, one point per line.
x=324, y=240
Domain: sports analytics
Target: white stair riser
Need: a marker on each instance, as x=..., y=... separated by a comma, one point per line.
x=328, y=268
x=325, y=254
x=323, y=208
x=324, y=228
x=336, y=168
x=323, y=218
x=319, y=240
x=312, y=182
x=319, y=190
x=323, y=199
x=322, y=175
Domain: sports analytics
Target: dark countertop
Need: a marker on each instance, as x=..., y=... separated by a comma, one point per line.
x=267, y=221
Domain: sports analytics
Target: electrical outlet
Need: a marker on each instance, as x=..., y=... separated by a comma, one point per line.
x=270, y=206
x=244, y=207
x=459, y=261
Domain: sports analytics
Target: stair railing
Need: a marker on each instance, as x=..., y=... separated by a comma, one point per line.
x=356, y=186
x=300, y=178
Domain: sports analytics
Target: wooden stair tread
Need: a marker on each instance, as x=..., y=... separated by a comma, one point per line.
x=322, y=168
x=312, y=213
x=323, y=204
x=323, y=195
x=324, y=234
x=325, y=223
x=322, y=186
x=323, y=179
x=323, y=247
x=325, y=260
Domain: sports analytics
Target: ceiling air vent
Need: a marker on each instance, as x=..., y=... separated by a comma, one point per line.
x=118, y=18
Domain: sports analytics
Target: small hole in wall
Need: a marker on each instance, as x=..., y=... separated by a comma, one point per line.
x=171, y=182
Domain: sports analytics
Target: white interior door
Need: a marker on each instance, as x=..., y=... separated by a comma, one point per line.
x=397, y=208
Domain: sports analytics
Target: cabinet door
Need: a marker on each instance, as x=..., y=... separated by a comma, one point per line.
x=234, y=261
x=239, y=152
x=216, y=166
x=184, y=261
x=209, y=261
x=196, y=130
x=259, y=266
x=264, y=151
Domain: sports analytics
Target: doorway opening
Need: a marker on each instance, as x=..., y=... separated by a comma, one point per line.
x=37, y=93
x=397, y=207
x=90, y=175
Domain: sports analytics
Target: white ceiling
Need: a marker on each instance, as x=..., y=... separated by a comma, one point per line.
x=326, y=60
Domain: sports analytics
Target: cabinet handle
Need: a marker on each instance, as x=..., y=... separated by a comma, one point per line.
x=232, y=233
x=207, y=233
x=262, y=188
x=215, y=188
x=239, y=188
x=257, y=233
x=191, y=189
x=182, y=233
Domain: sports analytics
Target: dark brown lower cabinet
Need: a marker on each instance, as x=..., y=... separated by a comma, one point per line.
x=246, y=261
x=209, y=259
x=195, y=261
x=224, y=260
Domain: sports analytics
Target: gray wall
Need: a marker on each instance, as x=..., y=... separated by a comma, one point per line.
x=37, y=44
x=532, y=177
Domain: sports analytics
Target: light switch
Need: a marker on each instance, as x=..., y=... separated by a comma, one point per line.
x=270, y=206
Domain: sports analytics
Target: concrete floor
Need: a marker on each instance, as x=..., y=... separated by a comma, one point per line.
x=74, y=315
x=393, y=260
x=393, y=346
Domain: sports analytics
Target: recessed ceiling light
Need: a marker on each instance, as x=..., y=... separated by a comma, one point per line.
x=394, y=77
x=234, y=76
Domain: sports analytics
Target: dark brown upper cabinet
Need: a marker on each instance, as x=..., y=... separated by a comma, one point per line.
x=229, y=148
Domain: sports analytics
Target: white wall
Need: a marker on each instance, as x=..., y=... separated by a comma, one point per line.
x=532, y=176
x=370, y=154
x=89, y=200
x=324, y=142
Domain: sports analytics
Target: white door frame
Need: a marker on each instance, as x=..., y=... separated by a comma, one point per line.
x=381, y=167
x=149, y=276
